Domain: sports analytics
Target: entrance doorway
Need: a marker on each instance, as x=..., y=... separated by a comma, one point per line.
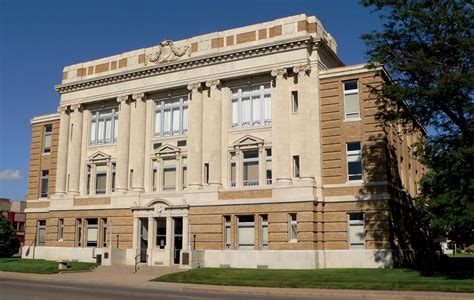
x=143, y=239
x=177, y=239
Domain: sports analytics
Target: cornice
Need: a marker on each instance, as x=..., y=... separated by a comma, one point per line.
x=189, y=63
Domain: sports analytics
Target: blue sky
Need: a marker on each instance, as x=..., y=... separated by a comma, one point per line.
x=38, y=38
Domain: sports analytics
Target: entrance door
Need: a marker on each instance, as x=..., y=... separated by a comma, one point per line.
x=143, y=239
x=178, y=239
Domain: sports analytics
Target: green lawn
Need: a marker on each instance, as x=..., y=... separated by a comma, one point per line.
x=39, y=266
x=374, y=279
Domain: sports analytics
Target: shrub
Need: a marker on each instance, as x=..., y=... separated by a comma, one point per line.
x=9, y=243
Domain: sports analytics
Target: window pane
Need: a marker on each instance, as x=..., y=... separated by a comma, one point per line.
x=268, y=108
x=93, y=131
x=350, y=85
x=115, y=128
x=158, y=123
x=176, y=121
x=251, y=171
x=356, y=235
x=354, y=146
x=47, y=143
x=101, y=131
x=185, y=119
x=352, y=105
x=108, y=130
x=256, y=110
x=235, y=112
x=167, y=122
x=246, y=110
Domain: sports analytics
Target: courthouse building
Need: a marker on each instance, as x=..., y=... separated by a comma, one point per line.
x=253, y=147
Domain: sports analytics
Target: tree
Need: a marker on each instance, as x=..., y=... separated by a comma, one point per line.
x=9, y=243
x=427, y=47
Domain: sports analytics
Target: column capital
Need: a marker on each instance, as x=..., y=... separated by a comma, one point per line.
x=215, y=83
x=122, y=98
x=194, y=86
x=302, y=69
x=138, y=96
x=279, y=73
x=76, y=107
x=63, y=109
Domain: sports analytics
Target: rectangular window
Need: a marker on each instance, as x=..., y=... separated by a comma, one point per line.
x=92, y=233
x=250, y=168
x=351, y=100
x=233, y=169
x=154, y=176
x=354, y=161
x=41, y=239
x=100, y=179
x=294, y=101
x=296, y=166
x=88, y=179
x=47, y=136
x=264, y=231
x=184, y=165
x=103, y=235
x=268, y=166
x=293, y=227
x=251, y=106
x=356, y=230
x=104, y=126
x=169, y=174
x=171, y=116
x=227, y=232
x=206, y=173
x=113, y=177
x=79, y=233
x=60, y=229
x=161, y=232
x=44, y=183
x=246, y=232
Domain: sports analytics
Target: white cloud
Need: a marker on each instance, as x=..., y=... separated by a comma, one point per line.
x=10, y=175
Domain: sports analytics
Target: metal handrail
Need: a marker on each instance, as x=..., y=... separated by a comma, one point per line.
x=136, y=263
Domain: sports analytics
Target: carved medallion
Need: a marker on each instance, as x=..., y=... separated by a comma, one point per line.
x=167, y=51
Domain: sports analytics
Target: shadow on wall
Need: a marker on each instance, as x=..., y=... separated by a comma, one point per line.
x=394, y=223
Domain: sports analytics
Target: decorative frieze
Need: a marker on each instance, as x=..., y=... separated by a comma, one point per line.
x=168, y=51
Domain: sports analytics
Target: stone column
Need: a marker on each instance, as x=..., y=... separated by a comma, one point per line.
x=214, y=134
x=138, y=147
x=74, y=151
x=169, y=232
x=195, y=136
x=186, y=234
x=281, y=162
x=309, y=127
x=136, y=233
x=123, y=141
x=151, y=234
x=61, y=171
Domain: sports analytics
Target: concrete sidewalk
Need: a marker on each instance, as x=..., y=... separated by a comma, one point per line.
x=124, y=276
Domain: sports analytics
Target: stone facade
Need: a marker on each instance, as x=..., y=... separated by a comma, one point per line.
x=227, y=149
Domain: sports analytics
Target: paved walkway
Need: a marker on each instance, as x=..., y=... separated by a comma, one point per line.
x=124, y=276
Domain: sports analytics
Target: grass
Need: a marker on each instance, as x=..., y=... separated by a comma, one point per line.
x=366, y=279
x=463, y=255
x=40, y=266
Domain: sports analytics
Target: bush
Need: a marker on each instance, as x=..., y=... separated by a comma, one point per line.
x=469, y=250
x=9, y=243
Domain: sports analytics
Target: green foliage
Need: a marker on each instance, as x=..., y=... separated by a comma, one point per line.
x=40, y=266
x=367, y=279
x=427, y=47
x=9, y=243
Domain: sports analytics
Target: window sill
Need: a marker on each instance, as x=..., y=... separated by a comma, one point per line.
x=46, y=154
x=352, y=120
x=101, y=145
x=293, y=241
x=250, y=128
x=355, y=182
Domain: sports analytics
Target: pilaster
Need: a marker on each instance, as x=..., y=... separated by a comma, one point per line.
x=280, y=129
x=195, y=136
x=74, y=151
x=213, y=136
x=123, y=142
x=61, y=170
x=138, y=146
x=309, y=121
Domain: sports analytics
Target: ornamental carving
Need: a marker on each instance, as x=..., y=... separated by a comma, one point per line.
x=122, y=98
x=194, y=86
x=167, y=51
x=138, y=96
x=279, y=73
x=213, y=83
x=302, y=69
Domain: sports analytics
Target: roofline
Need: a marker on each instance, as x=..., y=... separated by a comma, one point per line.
x=45, y=118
